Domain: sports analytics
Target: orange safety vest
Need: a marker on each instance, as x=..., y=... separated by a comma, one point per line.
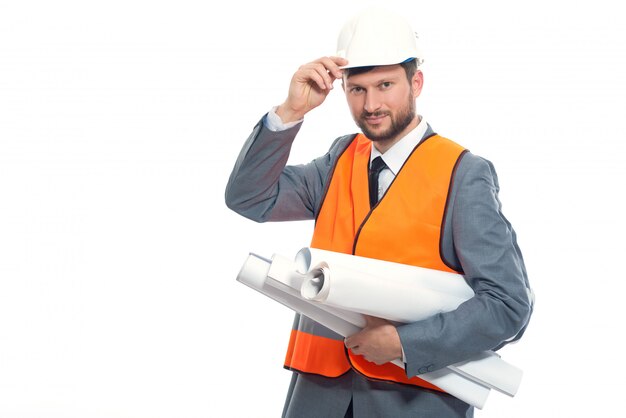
x=404, y=227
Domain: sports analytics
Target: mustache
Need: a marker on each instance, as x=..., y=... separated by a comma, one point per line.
x=376, y=114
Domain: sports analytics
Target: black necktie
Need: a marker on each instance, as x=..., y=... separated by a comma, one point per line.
x=377, y=166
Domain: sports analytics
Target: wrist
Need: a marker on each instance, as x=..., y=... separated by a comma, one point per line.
x=288, y=115
x=274, y=123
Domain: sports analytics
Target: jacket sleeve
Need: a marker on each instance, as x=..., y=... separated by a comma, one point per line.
x=484, y=246
x=263, y=188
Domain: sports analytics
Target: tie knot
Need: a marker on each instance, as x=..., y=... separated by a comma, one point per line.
x=377, y=166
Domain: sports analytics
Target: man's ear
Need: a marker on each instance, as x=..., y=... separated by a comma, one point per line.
x=417, y=82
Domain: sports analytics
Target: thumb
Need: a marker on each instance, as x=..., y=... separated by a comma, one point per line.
x=371, y=321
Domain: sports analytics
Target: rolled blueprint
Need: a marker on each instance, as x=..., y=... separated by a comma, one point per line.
x=400, y=293
x=489, y=369
x=399, y=299
x=255, y=274
x=451, y=284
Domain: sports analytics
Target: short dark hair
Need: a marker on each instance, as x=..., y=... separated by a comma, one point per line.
x=410, y=67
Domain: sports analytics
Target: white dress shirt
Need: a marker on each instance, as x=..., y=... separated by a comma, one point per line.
x=396, y=156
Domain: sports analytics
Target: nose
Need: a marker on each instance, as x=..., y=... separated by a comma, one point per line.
x=372, y=101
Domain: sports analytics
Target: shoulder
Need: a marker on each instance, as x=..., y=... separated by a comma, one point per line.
x=472, y=167
x=474, y=189
x=340, y=144
x=468, y=164
x=337, y=148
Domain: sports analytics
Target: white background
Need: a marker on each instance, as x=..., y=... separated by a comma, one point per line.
x=120, y=122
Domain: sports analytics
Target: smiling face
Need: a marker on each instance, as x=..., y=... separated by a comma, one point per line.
x=382, y=103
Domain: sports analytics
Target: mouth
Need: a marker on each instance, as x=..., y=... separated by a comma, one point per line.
x=375, y=119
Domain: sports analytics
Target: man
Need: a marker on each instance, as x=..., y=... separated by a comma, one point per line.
x=426, y=201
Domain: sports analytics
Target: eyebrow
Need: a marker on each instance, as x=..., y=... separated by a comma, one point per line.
x=377, y=83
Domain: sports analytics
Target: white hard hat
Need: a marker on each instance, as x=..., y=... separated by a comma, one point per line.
x=377, y=36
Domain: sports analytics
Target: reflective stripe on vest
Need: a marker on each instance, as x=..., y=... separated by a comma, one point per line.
x=404, y=227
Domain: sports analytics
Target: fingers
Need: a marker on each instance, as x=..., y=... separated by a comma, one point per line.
x=333, y=65
x=309, y=87
x=317, y=73
x=354, y=340
x=350, y=342
x=323, y=71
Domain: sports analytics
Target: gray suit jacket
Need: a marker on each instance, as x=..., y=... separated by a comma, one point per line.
x=477, y=239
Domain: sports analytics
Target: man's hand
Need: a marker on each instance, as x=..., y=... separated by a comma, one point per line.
x=309, y=87
x=378, y=342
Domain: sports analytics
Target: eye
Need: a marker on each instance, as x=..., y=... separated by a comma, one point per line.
x=385, y=85
x=357, y=90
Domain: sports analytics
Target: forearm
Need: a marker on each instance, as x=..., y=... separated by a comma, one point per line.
x=262, y=188
x=486, y=247
x=480, y=324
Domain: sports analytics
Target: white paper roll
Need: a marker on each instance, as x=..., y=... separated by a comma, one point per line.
x=400, y=299
x=451, y=284
x=489, y=369
x=400, y=293
x=254, y=274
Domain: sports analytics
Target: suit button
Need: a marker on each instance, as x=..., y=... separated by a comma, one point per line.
x=426, y=369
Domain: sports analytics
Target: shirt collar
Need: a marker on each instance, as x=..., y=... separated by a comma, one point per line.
x=395, y=156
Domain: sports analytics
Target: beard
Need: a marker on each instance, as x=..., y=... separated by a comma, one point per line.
x=399, y=122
